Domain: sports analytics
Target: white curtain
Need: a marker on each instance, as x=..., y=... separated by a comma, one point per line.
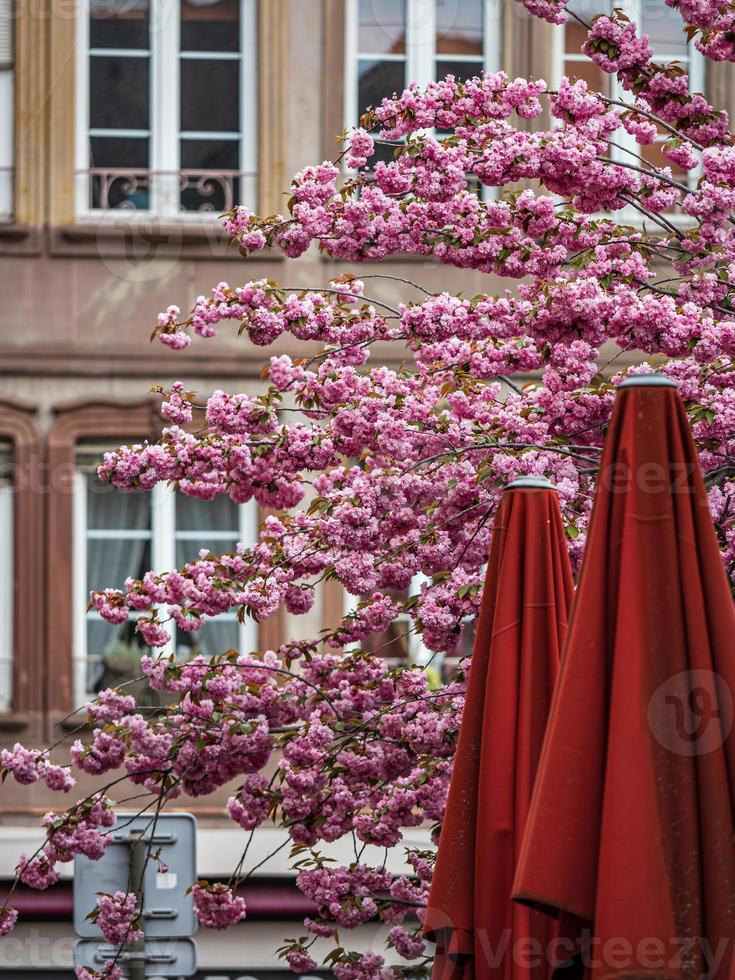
x=111, y=560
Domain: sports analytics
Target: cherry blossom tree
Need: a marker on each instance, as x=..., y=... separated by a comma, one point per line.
x=378, y=476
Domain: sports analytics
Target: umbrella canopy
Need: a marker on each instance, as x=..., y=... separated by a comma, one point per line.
x=520, y=632
x=630, y=835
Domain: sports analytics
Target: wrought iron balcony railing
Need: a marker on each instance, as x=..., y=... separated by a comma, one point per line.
x=164, y=193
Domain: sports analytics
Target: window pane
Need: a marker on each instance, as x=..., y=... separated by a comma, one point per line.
x=124, y=152
x=115, y=190
x=383, y=152
x=653, y=153
x=597, y=80
x=393, y=644
x=378, y=80
x=587, y=9
x=118, y=93
x=212, y=25
x=119, y=24
x=210, y=154
x=382, y=27
x=110, y=509
x=210, y=99
x=6, y=576
x=6, y=142
x=113, y=653
x=462, y=70
x=665, y=28
x=213, y=191
x=6, y=464
x=192, y=514
x=574, y=36
x=188, y=550
x=110, y=562
x=459, y=26
x=216, y=636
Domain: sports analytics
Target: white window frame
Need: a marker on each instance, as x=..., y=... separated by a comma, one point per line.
x=164, y=133
x=7, y=23
x=420, y=55
x=7, y=588
x=163, y=537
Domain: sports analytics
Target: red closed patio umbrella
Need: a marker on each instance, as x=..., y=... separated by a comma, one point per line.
x=630, y=836
x=515, y=661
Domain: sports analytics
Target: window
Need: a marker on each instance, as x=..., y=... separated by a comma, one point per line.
x=664, y=27
x=7, y=579
x=393, y=42
x=6, y=110
x=402, y=646
x=119, y=534
x=166, y=105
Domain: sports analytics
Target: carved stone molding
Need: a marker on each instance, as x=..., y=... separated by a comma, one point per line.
x=17, y=426
x=333, y=75
x=99, y=419
x=272, y=95
x=31, y=93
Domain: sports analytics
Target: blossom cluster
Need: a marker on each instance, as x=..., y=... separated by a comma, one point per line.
x=28, y=766
x=8, y=918
x=714, y=22
x=111, y=971
x=117, y=917
x=216, y=906
x=78, y=830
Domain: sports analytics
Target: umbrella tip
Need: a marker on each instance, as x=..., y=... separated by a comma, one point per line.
x=652, y=379
x=531, y=483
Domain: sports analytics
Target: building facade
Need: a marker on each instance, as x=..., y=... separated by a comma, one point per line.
x=126, y=127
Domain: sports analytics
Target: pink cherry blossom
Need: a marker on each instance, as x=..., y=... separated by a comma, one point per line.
x=117, y=917
x=37, y=872
x=216, y=907
x=8, y=918
x=110, y=971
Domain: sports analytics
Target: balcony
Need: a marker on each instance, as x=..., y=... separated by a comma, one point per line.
x=181, y=194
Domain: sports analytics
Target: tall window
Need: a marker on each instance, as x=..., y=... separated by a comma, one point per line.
x=6, y=578
x=401, y=645
x=664, y=27
x=119, y=534
x=393, y=42
x=6, y=109
x=166, y=104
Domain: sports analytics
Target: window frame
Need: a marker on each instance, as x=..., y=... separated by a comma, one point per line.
x=417, y=653
x=7, y=114
x=163, y=538
x=25, y=585
x=164, y=132
x=7, y=560
x=420, y=56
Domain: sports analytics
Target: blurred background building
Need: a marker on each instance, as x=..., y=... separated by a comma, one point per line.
x=126, y=127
